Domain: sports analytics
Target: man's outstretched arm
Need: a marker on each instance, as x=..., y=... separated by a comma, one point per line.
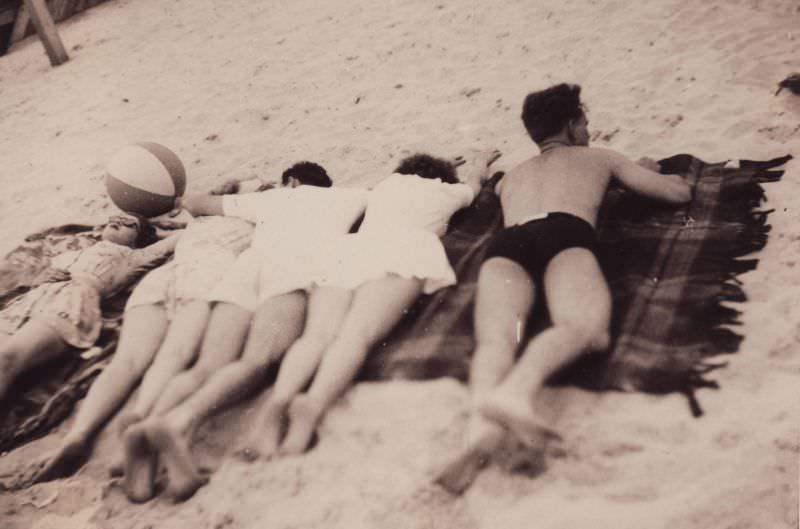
x=669, y=188
x=199, y=204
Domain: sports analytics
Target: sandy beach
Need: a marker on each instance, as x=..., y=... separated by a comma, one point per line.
x=240, y=89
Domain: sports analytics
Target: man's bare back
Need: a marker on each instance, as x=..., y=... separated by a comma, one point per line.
x=574, y=179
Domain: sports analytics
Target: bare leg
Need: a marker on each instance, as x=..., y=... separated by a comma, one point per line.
x=227, y=330
x=505, y=295
x=327, y=307
x=139, y=340
x=376, y=308
x=276, y=324
x=33, y=344
x=177, y=353
x=580, y=309
x=228, y=327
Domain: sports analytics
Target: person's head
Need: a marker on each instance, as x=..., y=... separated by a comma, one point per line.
x=556, y=111
x=306, y=173
x=129, y=230
x=426, y=166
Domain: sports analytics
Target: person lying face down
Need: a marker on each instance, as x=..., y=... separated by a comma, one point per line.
x=64, y=310
x=258, y=311
x=165, y=320
x=547, y=249
x=366, y=284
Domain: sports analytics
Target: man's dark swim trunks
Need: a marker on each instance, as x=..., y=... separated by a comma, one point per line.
x=532, y=245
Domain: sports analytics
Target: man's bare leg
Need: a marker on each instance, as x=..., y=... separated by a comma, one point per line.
x=228, y=327
x=139, y=340
x=327, y=307
x=504, y=298
x=276, y=325
x=376, y=308
x=580, y=309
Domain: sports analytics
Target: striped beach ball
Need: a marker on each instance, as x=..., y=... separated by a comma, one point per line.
x=145, y=178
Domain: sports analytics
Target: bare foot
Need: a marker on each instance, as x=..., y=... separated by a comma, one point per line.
x=303, y=419
x=517, y=417
x=483, y=436
x=184, y=476
x=140, y=465
x=265, y=435
x=67, y=458
x=117, y=467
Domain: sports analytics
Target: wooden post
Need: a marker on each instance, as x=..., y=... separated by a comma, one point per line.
x=20, y=25
x=46, y=29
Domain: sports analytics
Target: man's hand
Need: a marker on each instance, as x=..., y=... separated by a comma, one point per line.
x=649, y=163
x=54, y=275
x=230, y=187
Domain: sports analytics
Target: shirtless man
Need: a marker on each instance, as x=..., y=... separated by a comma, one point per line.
x=550, y=206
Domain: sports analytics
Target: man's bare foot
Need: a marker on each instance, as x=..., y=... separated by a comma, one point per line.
x=483, y=437
x=184, y=476
x=64, y=461
x=265, y=436
x=140, y=465
x=518, y=417
x=303, y=418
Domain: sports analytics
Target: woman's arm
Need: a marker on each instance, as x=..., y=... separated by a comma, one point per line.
x=155, y=254
x=479, y=169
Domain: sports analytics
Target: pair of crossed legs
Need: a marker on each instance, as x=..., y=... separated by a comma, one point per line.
x=150, y=346
x=238, y=347
x=505, y=388
x=341, y=328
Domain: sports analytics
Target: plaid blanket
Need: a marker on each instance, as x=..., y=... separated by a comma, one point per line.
x=671, y=272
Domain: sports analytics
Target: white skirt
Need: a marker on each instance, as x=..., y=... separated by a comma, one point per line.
x=259, y=275
x=179, y=282
x=411, y=253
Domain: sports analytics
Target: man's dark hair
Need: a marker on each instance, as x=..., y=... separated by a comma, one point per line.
x=548, y=112
x=307, y=173
x=427, y=166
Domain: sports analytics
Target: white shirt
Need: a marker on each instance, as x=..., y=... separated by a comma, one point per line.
x=302, y=214
x=410, y=201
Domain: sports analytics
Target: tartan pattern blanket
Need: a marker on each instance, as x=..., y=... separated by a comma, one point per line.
x=670, y=271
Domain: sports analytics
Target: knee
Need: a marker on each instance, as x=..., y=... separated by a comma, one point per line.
x=600, y=340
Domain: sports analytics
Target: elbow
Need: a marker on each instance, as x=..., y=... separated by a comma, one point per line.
x=684, y=194
x=679, y=194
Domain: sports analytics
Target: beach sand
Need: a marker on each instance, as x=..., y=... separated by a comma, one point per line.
x=241, y=89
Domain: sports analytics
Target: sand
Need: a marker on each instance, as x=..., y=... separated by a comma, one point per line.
x=240, y=89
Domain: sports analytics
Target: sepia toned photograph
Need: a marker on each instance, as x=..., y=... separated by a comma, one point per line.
x=446, y=264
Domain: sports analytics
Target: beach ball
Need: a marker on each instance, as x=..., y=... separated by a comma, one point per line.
x=145, y=178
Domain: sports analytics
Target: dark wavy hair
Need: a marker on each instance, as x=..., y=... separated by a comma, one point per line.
x=427, y=166
x=307, y=173
x=548, y=112
x=147, y=232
